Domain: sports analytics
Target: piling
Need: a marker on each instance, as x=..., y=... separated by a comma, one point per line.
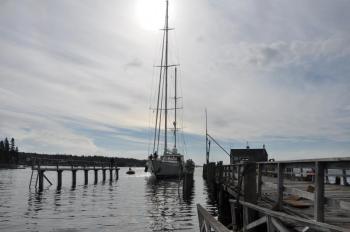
x=204, y=174
x=319, y=192
x=86, y=177
x=210, y=169
x=96, y=176
x=117, y=173
x=74, y=178
x=224, y=207
x=103, y=175
x=280, y=170
x=110, y=174
x=59, y=179
x=249, y=191
x=41, y=179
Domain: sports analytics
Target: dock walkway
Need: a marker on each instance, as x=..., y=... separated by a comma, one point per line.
x=40, y=166
x=274, y=196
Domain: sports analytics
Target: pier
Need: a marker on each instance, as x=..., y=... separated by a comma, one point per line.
x=40, y=166
x=295, y=195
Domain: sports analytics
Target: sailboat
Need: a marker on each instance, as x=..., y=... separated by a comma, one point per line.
x=171, y=163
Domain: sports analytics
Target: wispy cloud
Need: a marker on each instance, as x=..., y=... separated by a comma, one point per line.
x=75, y=77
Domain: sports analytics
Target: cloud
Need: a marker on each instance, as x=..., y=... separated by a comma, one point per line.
x=135, y=63
x=75, y=77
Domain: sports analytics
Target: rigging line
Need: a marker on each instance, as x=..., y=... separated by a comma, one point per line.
x=153, y=96
x=175, y=105
x=218, y=145
x=159, y=85
x=166, y=78
x=160, y=117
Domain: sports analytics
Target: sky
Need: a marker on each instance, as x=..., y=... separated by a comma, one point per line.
x=78, y=77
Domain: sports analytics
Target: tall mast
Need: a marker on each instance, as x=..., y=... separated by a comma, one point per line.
x=166, y=80
x=206, y=138
x=175, y=99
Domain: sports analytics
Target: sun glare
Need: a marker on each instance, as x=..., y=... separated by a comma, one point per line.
x=150, y=14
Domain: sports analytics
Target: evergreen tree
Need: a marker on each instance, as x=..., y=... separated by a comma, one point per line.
x=7, y=151
x=12, y=145
x=6, y=145
x=2, y=151
x=2, y=146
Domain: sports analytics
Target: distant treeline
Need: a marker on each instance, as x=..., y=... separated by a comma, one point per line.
x=28, y=158
x=9, y=155
x=8, y=152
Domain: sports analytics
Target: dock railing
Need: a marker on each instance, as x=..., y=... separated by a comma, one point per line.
x=244, y=181
x=208, y=223
x=279, y=221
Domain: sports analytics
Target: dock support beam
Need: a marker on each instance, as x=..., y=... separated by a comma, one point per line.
x=319, y=192
x=111, y=174
x=117, y=173
x=86, y=177
x=103, y=174
x=74, y=178
x=59, y=179
x=96, y=176
x=41, y=179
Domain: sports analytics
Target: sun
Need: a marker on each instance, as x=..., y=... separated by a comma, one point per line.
x=150, y=14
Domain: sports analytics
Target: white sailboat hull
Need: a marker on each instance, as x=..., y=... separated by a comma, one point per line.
x=163, y=169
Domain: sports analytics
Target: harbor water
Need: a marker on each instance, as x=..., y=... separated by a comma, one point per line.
x=133, y=203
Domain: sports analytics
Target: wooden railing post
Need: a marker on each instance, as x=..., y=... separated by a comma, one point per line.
x=280, y=188
x=260, y=167
x=245, y=218
x=249, y=191
x=345, y=181
x=319, y=192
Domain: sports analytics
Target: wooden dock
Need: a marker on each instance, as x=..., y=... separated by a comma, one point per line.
x=292, y=195
x=41, y=166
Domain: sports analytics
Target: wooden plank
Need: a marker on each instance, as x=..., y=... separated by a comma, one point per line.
x=319, y=226
x=279, y=226
x=291, y=190
x=330, y=200
x=214, y=224
x=256, y=223
x=269, y=224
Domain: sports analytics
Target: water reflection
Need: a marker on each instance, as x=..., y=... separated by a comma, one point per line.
x=211, y=200
x=165, y=207
x=133, y=203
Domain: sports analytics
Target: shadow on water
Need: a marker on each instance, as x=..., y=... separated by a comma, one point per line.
x=188, y=193
x=212, y=197
x=167, y=207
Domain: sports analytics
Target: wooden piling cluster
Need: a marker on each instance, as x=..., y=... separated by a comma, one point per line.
x=268, y=196
x=73, y=167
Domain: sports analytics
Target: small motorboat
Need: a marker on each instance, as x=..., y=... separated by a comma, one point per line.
x=130, y=172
